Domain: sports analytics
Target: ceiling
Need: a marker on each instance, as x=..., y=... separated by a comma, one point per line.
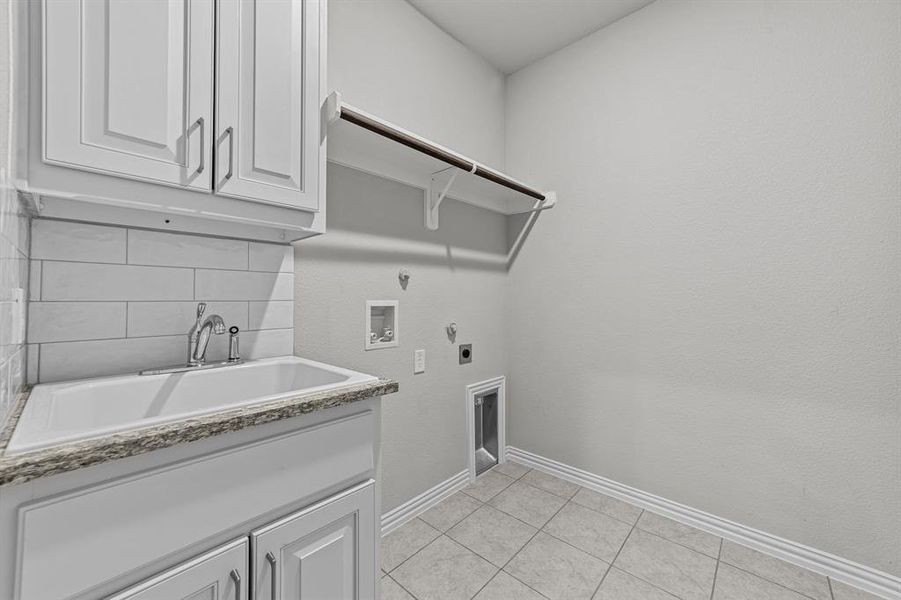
x=511, y=34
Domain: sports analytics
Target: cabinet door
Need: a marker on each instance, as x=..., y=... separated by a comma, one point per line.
x=217, y=575
x=128, y=88
x=267, y=101
x=326, y=552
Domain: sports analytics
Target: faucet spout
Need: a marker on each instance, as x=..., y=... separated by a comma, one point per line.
x=199, y=337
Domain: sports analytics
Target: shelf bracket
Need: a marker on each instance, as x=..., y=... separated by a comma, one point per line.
x=439, y=186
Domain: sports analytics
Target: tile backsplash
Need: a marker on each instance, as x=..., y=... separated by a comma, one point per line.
x=107, y=300
x=13, y=294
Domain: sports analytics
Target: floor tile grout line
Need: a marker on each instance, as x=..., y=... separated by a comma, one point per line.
x=783, y=586
x=412, y=595
x=716, y=571
x=440, y=533
x=529, y=541
x=653, y=585
x=612, y=562
x=831, y=591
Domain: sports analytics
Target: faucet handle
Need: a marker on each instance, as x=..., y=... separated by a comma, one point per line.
x=233, y=355
x=201, y=307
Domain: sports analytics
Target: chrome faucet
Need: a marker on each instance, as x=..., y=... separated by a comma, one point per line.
x=199, y=336
x=198, y=340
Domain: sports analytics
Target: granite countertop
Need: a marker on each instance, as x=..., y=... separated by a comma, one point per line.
x=25, y=466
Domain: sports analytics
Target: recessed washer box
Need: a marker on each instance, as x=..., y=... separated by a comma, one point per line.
x=381, y=324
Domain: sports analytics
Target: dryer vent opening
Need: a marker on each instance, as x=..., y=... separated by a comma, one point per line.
x=485, y=407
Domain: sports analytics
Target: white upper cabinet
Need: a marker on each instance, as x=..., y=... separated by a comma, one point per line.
x=201, y=116
x=128, y=88
x=267, y=110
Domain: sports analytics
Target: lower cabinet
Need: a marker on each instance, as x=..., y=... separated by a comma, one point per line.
x=326, y=552
x=217, y=575
x=323, y=552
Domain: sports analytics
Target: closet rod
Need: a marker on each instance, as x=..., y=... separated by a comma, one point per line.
x=420, y=145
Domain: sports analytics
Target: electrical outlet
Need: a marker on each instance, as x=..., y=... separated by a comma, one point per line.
x=418, y=361
x=465, y=354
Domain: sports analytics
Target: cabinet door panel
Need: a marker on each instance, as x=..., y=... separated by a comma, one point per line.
x=268, y=101
x=326, y=552
x=128, y=88
x=217, y=575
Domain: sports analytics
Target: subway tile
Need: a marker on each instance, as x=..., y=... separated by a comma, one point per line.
x=71, y=321
x=271, y=257
x=278, y=314
x=71, y=241
x=34, y=280
x=267, y=343
x=6, y=329
x=243, y=285
x=4, y=390
x=32, y=362
x=180, y=250
x=83, y=281
x=172, y=318
x=62, y=361
x=16, y=373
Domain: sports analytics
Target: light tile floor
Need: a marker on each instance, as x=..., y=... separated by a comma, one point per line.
x=519, y=534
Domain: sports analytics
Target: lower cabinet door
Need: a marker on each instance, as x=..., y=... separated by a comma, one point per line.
x=324, y=552
x=216, y=575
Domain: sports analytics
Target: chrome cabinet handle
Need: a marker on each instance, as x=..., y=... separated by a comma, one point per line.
x=231, y=151
x=236, y=577
x=270, y=558
x=201, y=123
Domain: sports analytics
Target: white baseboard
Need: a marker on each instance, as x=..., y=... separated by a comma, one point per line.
x=411, y=509
x=840, y=569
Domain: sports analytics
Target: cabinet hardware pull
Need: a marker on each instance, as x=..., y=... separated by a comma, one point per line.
x=270, y=557
x=236, y=577
x=201, y=123
x=231, y=151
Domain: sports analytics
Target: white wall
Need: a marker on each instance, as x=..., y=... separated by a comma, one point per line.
x=458, y=274
x=716, y=295
x=110, y=300
x=389, y=60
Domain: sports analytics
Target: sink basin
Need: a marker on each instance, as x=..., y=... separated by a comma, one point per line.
x=58, y=413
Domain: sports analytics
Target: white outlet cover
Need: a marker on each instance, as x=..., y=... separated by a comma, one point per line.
x=418, y=361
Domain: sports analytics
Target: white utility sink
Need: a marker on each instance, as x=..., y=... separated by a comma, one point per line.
x=58, y=413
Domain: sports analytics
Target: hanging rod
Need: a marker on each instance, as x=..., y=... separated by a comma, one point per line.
x=357, y=117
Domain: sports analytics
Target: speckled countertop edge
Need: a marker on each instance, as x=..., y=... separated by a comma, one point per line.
x=19, y=468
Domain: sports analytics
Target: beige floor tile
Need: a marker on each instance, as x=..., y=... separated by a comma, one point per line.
x=404, y=542
x=703, y=542
x=735, y=584
x=549, y=483
x=607, y=505
x=527, y=503
x=667, y=565
x=619, y=585
x=556, y=569
x=778, y=571
x=392, y=591
x=492, y=534
x=512, y=469
x=444, y=570
x=488, y=485
x=843, y=591
x=505, y=587
x=595, y=533
x=450, y=511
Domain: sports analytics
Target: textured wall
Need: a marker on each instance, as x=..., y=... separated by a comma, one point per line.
x=458, y=274
x=388, y=59
x=110, y=300
x=717, y=293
